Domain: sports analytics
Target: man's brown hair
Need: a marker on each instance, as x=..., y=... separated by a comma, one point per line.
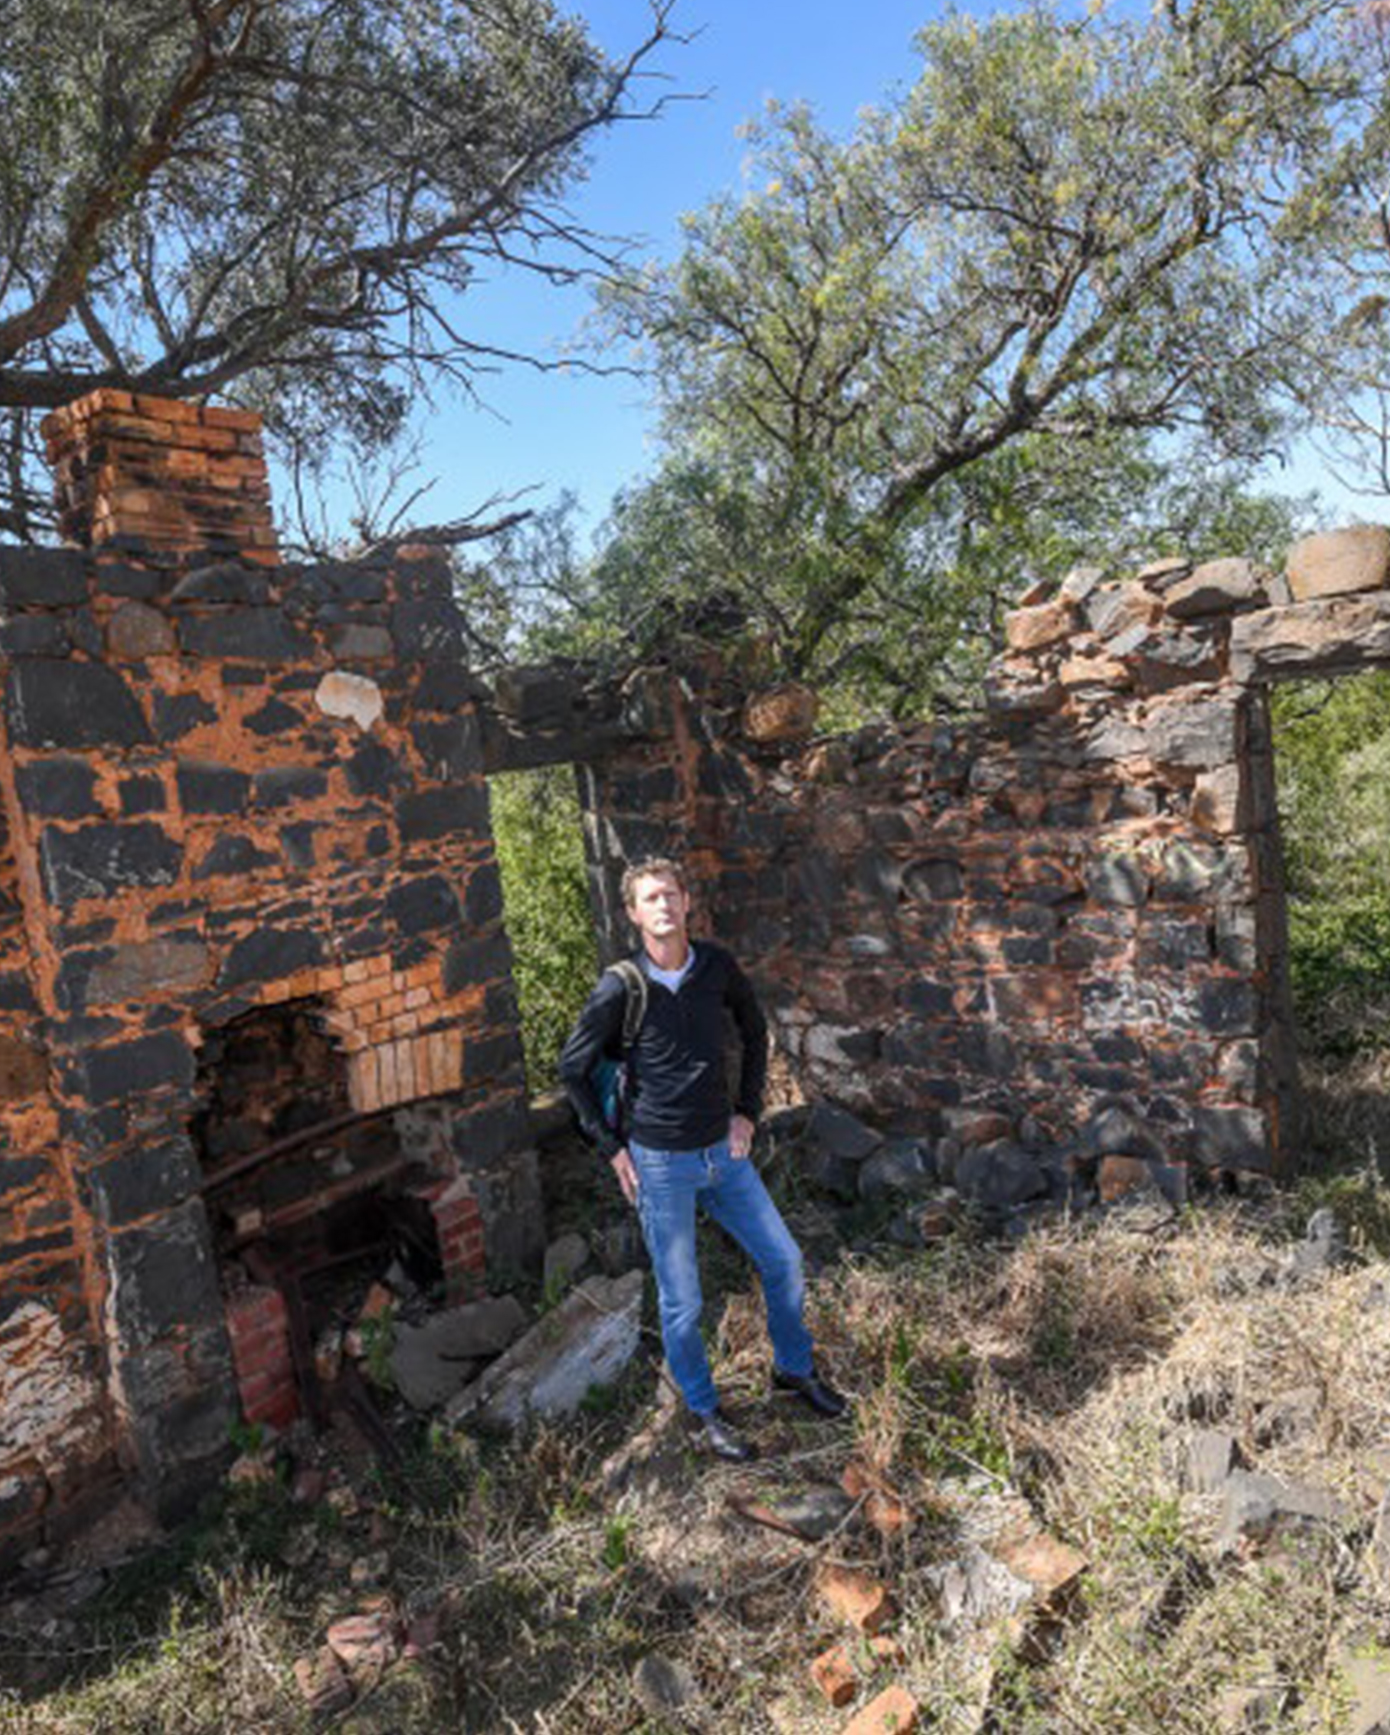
x=640, y=870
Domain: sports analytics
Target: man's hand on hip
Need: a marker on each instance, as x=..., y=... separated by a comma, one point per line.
x=740, y=1136
x=622, y=1166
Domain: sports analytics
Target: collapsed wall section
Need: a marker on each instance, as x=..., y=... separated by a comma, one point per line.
x=1060, y=922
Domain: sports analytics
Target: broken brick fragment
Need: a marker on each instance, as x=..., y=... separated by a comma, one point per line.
x=833, y=1674
x=893, y=1712
x=854, y=1596
x=320, y=1678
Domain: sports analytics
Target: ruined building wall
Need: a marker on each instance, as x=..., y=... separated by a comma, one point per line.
x=246, y=832
x=228, y=785
x=1015, y=924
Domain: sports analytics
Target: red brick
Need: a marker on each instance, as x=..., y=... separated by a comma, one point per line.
x=893, y=1712
x=834, y=1675
x=854, y=1596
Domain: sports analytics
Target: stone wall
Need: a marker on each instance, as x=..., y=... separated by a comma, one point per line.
x=229, y=786
x=1059, y=923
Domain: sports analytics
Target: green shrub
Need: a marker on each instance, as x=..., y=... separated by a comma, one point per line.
x=1339, y=966
x=1332, y=754
x=540, y=852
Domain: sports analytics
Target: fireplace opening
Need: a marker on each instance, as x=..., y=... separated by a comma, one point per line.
x=314, y=1207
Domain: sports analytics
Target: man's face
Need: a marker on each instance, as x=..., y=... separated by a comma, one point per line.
x=658, y=908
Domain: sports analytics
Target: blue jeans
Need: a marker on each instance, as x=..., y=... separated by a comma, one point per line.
x=670, y=1184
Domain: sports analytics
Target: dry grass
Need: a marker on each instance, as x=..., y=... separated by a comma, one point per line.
x=1074, y=1368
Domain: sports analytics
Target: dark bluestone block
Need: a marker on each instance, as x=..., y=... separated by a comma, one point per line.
x=287, y=784
x=500, y=1004
x=273, y=952
x=426, y=628
x=135, y=582
x=375, y=770
x=928, y=999
x=297, y=841
x=877, y=876
x=70, y=987
x=423, y=904
x=357, y=583
x=484, y=1135
x=987, y=1048
x=1027, y=950
x=482, y=900
x=60, y=788
x=32, y=1246
x=142, y=795
x=452, y=751
x=126, y=1069
x=458, y=810
x=256, y=635
x=46, y=577
x=138, y=1183
x=361, y=642
x=1234, y=1138
x=51, y=702
x=468, y=962
x=368, y=941
x=208, y=788
x=19, y=1173
x=232, y=855
x=1228, y=1007
x=448, y=686
x=720, y=774
x=933, y=881
x=101, y=860
x=490, y=1057
x=274, y=717
x=34, y=635
x=163, y=1277
x=224, y=581
x=175, y=714
x=17, y=992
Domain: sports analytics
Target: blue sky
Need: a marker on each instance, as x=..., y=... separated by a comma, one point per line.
x=591, y=435
x=558, y=431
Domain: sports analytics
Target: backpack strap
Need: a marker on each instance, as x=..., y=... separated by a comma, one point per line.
x=635, y=1005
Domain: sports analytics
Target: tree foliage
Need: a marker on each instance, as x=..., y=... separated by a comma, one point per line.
x=280, y=199
x=1074, y=255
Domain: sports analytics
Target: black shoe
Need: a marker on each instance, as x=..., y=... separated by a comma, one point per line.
x=812, y=1390
x=719, y=1438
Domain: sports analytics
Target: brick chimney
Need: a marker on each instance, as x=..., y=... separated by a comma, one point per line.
x=162, y=475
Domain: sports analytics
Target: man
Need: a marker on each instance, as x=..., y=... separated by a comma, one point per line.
x=681, y=1147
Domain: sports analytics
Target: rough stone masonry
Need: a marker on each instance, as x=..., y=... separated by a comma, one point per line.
x=239, y=797
x=1056, y=927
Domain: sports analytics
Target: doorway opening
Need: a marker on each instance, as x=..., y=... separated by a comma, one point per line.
x=538, y=825
x=1331, y=741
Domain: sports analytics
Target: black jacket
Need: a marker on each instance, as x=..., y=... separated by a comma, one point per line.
x=678, y=1097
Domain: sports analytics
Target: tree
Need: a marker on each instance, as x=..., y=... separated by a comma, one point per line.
x=281, y=199
x=1074, y=253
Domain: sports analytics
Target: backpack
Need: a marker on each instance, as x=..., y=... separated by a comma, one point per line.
x=610, y=1072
